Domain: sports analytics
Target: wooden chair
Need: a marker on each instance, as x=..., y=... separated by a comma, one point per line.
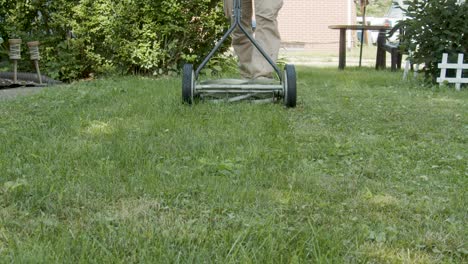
x=393, y=48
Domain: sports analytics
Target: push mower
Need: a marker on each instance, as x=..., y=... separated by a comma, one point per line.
x=234, y=89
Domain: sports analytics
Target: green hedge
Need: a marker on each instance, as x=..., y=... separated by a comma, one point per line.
x=435, y=27
x=108, y=36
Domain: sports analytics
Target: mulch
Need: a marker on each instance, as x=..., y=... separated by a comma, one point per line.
x=7, y=83
x=10, y=90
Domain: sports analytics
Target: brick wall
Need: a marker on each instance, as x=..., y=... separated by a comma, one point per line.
x=304, y=23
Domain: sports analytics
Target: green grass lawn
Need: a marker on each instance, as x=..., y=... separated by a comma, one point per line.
x=367, y=168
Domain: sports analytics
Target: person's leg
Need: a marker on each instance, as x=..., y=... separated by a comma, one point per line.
x=241, y=44
x=267, y=35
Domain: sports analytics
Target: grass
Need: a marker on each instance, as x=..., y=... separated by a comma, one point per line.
x=368, y=52
x=330, y=59
x=367, y=168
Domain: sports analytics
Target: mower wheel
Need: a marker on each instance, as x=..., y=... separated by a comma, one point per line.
x=289, y=84
x=188, y=84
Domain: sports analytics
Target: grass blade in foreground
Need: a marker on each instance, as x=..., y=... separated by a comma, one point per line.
x=119, y=170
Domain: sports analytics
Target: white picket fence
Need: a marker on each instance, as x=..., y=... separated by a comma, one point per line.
x=459, y=66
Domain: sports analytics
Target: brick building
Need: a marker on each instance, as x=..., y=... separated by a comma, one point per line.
x=304, y=23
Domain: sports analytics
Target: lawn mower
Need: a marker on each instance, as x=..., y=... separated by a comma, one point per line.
x=237, y=89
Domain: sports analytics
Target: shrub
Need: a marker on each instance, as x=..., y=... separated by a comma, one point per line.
x=101, y=36
x=434, y=27
x=3, y=49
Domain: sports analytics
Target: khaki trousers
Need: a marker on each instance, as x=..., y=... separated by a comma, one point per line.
x=252, y=64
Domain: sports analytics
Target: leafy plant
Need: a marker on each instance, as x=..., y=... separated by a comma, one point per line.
x=64, y=61
x=435, y=27
x=3, y=50
x=143, y=37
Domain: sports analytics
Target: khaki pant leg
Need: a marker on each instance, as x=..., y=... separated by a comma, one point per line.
x=267, y=35
x=241, y=44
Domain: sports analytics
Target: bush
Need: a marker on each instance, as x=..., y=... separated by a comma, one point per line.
x=3, y=49
x=435, y=27
x=102, y=36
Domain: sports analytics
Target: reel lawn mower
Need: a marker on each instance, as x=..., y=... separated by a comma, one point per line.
x=233, y=90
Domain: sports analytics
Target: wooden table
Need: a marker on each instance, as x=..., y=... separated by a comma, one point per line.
x=380, y=60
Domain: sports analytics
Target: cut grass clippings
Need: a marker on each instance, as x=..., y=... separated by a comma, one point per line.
x=367, y=168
